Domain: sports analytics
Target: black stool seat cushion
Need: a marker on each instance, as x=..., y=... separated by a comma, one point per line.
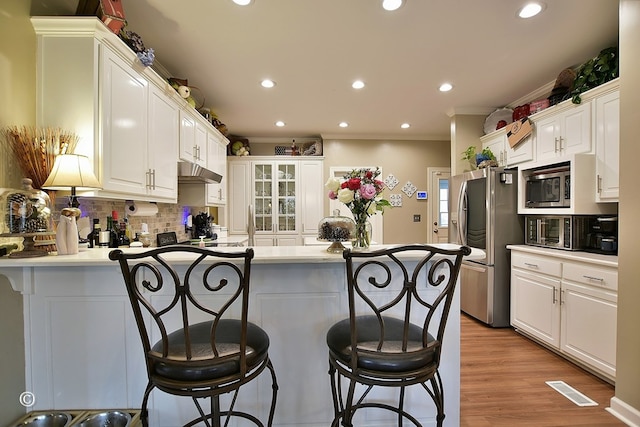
x=207, y=368
x=390, y=358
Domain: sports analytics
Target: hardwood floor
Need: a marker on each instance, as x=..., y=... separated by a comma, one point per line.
x=503, y=378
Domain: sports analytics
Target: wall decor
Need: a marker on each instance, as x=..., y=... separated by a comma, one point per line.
x=409, y=189
x=395, y=200
x=391, y=181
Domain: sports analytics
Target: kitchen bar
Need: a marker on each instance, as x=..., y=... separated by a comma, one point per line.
x=82, y=349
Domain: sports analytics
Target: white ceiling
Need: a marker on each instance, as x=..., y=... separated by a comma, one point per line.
x=314, y=49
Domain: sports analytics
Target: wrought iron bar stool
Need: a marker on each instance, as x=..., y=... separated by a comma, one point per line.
x=185, y=355
x=399, y=301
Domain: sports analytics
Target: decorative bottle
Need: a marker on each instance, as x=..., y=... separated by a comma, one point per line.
x=113, y=236
x=94, y=236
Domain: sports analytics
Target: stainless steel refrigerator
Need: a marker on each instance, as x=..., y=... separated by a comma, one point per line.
x=483, y=215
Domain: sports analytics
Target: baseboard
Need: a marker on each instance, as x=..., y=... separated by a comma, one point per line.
x=624, y=412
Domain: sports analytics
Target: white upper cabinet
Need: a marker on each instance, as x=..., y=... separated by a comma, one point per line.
x=217, y=162
x=312, y=202
x=90, y=83
x=495, y=142
x=607, y=147
x=566, y=132
x=506, y=155
x=193, y=139
x=162, y=144
x=124, y=125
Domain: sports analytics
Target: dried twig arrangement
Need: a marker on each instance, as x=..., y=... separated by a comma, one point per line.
x=35, y=149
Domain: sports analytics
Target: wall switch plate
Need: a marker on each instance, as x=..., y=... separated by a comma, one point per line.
x=416, y=218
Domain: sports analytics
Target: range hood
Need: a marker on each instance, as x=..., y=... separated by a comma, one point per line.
x=189, y=172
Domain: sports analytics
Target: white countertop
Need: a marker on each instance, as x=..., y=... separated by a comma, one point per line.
x=263, y=255
x=593, y=258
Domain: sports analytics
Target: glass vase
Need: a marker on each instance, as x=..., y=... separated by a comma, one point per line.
x=362, y=239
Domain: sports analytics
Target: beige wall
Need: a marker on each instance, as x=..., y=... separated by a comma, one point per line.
x=17, y=78
x=628, y=354
x=466, y=130
x=407, y=161
x=17, y=107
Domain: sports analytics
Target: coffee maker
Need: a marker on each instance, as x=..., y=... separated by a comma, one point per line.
x=603, y=235
x=202, y=226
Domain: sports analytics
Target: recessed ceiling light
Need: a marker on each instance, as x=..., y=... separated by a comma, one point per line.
x=280, y=123
x=242, y=2
x=405, y=126
x=530, y=10
x=446, y=87
x=267, y=83
x=343, y=124
x=391, y=4
x=358, y=84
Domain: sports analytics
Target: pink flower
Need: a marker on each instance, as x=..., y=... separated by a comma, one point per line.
x=368, y=191
x=332, y=195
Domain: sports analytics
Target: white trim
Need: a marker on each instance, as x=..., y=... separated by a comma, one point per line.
x=624, y=412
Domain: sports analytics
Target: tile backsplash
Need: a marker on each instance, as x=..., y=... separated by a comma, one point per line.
x=170, y=217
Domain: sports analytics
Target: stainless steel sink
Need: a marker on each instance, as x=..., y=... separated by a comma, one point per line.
x=53, y=419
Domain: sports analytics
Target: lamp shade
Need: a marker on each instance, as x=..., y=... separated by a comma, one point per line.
x=71, y=170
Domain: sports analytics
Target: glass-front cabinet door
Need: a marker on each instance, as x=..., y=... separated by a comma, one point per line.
x=286, y=194
x=275, y=187
x=263, y=197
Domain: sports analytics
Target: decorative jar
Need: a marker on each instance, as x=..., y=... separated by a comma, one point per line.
x=336, y=229
x=27, y=210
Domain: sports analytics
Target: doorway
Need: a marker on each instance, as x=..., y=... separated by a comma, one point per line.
x=438, y=205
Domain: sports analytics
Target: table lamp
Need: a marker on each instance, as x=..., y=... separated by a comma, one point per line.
x=74, y=171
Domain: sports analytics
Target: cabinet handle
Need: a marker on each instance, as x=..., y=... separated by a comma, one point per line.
x=148, y=178
x=153, y=179
x=560, y=140
x=554, y=295
x=599, y=184
x=555, y=144
x=598, y=279
x=562, y=296
x=531, y=265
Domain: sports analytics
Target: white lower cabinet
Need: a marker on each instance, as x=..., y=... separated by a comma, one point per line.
x=568, y=306
x=534, y=306
x=588, y=330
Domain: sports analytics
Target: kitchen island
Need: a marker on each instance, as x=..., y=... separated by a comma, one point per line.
x=82, y=347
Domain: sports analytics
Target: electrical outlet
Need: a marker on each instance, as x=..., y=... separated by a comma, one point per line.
x=416, y=218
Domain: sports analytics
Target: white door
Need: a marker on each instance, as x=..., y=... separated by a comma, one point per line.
x=438, y=205
x=375, y=220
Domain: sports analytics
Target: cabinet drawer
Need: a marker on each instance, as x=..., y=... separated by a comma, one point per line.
x=591, y=275
x=537, y=264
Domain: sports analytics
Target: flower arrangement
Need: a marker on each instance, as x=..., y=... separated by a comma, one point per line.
x=361, y=191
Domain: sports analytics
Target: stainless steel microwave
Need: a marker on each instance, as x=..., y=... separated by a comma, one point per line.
x=549, y=187
x=561, y=232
